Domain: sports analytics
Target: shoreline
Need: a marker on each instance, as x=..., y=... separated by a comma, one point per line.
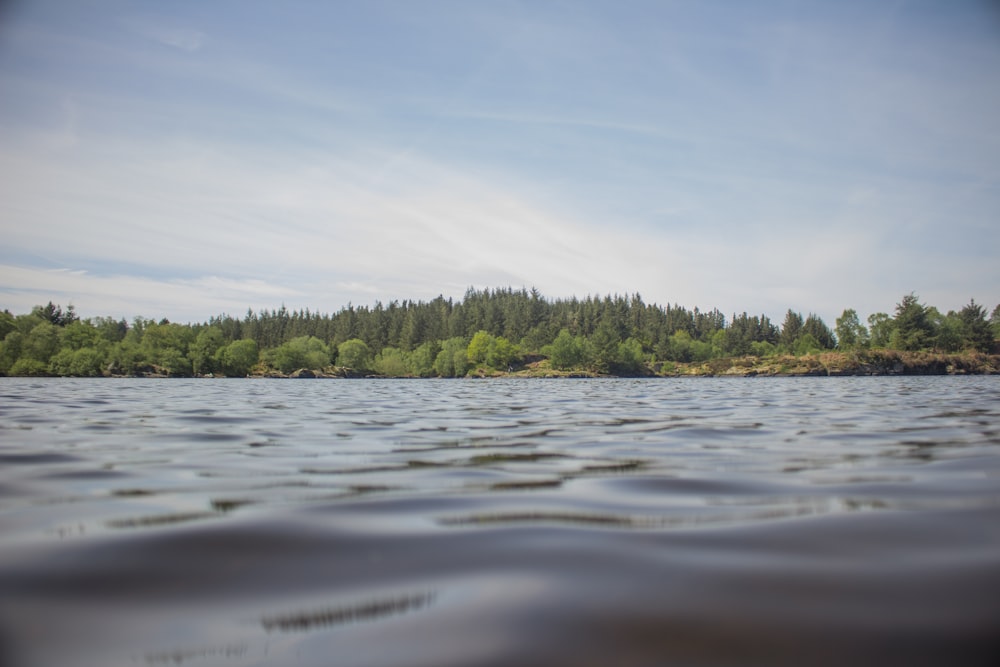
x=856, y=363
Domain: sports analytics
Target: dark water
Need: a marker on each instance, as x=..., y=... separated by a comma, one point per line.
x=837, y=521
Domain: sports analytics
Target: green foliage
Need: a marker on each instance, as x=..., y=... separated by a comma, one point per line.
x=174, y=362
x=10, y=350
x=28, y=366
x=354, y=354
x=479, y=348
x=791, y=328
x=744, y=331
x=125, y=357
x=880, y=328
x=302, y=352
x=567, y=351
x=604, y=346
x=55, y=315
x=974, y=328
x=816, y=327
x=502, y=355
x=947, y=330
x=487, y=350
x=614, y=334
x=166, y=345
x=420, y=362
x=629, y=357
x=851, y=334
x=42, y=343
x=391, y=362
x=204, y=351
x=913, y=329
x=7, y=324
x=806, y=343
x=685, y=349
x=240, y=356
x=84, y=362
x=452, y=360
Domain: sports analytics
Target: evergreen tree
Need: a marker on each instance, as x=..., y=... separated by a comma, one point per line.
x=791, y=328
x=816, y=327
x=975, y=329
x=913, y=329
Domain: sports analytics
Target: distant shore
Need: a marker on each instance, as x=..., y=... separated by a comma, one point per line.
x=850, y=363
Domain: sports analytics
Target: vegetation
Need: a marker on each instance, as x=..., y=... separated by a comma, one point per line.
x=490, y=332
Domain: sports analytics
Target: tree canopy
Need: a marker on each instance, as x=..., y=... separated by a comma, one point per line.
x=487, y=330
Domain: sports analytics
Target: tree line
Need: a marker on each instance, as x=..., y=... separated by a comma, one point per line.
x=499, y=330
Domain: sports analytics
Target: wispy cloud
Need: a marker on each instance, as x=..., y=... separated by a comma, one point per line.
x=166, y=33
x=745, y=160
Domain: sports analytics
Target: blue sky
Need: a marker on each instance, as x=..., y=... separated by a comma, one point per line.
x=190, y=158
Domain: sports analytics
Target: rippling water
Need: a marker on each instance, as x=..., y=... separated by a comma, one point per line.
x=503, y=522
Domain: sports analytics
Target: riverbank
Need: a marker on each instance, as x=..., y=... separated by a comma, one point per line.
x=852, y=363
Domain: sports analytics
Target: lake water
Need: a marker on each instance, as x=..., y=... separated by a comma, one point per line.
x=798, y=521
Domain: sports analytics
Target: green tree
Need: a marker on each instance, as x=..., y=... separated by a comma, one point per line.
x=166, y=345
x=126, y=357
x=391, y=362
x=41, y=343
x=567, y=351
x=204, y=350
x=762, y=348
x=10, y=350
x=604, y=344
x=452, y=360
x=354, y=354
x=420, y=362
x=238, y=358
x=78, y=335
x=629, y=357
x=87, y=362
x=974, y=328
x=880, y=328
x=851, y=334
x=947, y=330
x=7, y=323
x=806, y=343
x=478, y=350
x=913, y=330
x=84, y=362
x=791, y=328
x=503, y=354
x=27, y=366
x=816, y=327
x=301, y=352
x=55, y=315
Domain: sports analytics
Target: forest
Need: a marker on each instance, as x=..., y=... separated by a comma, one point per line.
x=488, y=331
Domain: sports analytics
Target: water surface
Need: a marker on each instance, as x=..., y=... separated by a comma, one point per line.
x=562, y=522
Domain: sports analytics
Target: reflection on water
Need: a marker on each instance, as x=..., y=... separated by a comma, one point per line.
x=312, y=620
x=702, y=522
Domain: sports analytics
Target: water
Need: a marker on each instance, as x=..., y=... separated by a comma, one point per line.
x=502, y=522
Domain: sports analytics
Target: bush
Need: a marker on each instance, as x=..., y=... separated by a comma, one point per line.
x=391, y=362
x=239, y=357
x=452, y=360
x=354, y=354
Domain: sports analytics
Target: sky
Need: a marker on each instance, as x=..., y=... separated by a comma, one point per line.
x=191, y=158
